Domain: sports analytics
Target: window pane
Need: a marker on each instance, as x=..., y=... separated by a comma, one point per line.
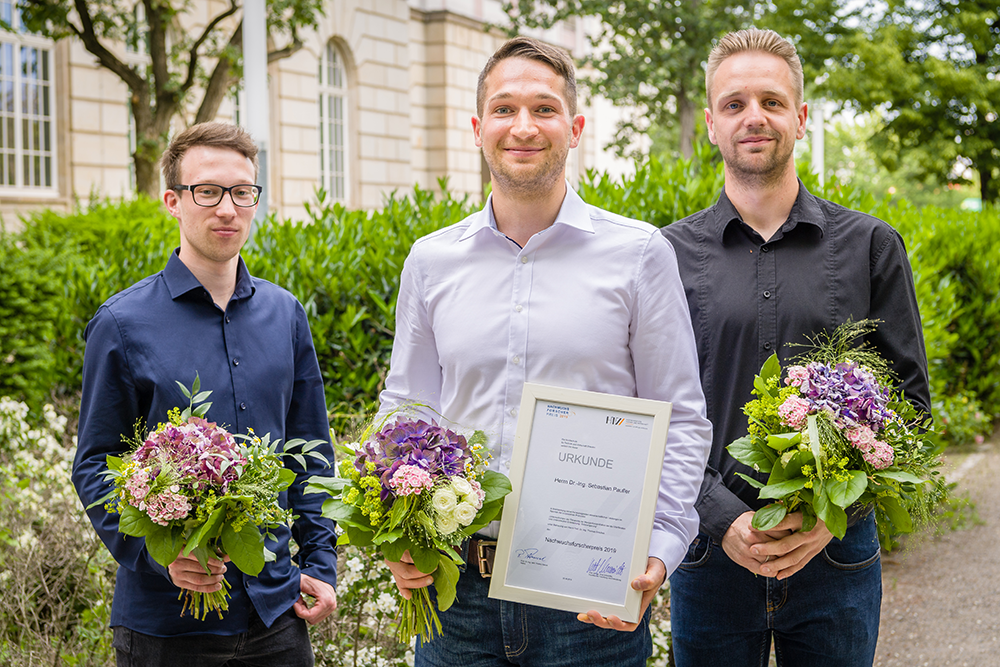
x=26, y=142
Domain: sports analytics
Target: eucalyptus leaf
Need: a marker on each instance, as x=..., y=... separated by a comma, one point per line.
x=782, y=441
x=757, y=484
x=844, y=493
x=245, y=548
x=899, y=476
x=782, y=489
x=769, y=516
x=134, y=522
x=164, y=543
x=426, y=560
x=746, y=451
x=206, y=531
x=445, y=582
x=771, y=367
x=393, y=551
x=494, y=485
x=899, y=517
x=331, y=485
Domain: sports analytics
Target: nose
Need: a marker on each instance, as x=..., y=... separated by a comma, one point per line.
x=226, y=207
x=754, y=115
x=524, y=124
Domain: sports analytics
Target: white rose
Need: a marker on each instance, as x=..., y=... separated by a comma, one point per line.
x=465, y=513
x=446, y=524
x=461, y=486
x=444, y=500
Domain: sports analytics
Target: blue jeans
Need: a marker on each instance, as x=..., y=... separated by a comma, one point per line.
x=285, y=643
x=482, y=632
x=825, y=615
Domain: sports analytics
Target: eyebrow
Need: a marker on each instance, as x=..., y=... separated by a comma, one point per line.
x=503, y=95
x=769, y=92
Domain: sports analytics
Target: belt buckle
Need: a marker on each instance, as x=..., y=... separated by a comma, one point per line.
x=485, y=552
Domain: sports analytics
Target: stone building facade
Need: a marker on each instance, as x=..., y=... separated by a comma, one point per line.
x=379, y=99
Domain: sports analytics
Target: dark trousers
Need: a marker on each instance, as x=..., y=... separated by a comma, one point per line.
x=284, y=644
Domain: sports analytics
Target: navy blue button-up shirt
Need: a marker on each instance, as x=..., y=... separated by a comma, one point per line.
x=257, y=358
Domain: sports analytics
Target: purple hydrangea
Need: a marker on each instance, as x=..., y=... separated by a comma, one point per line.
x=439, y=451
x=849, y=393
x=197, y=449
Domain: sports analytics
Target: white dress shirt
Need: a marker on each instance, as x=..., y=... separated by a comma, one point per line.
x=594, y=302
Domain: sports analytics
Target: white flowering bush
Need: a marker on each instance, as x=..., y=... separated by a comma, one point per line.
x=362, y=631
x=56, y=575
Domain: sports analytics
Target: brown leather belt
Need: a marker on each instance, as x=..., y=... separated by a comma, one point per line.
x=483, y=552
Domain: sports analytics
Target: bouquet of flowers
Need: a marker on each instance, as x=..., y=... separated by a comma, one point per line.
x=418, y=487
x=189, y=487
x=834, y=434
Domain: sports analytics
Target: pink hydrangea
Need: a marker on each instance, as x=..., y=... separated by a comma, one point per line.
x=138, y=484
x=796, y=375
x=880, y=455
x=793, y=412
x=167, y=506
x=862, y=437
x=409, y=480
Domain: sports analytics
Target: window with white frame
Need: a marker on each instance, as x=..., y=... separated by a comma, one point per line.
x=333, y=124
x=27, y=111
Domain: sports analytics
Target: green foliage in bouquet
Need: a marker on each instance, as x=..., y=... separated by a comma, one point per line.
x=420, y=488
x=835, y=435
x=189, y=488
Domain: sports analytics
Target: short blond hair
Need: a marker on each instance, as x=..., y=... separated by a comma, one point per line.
x=755, y=40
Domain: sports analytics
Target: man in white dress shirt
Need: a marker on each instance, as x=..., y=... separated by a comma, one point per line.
x=541, y=287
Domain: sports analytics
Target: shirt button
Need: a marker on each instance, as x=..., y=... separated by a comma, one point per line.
x=767, y=294
x=227, y=319
x=516, y=360
x=765, y=248
x=524, y=260
x=243, y=406
x=236, y=362
x=767, y=346
x=513, y=412
x=519, y=308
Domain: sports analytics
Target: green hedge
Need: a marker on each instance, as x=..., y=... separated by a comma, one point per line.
x=344, y=266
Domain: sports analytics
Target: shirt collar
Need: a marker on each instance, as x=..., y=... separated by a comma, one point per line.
x=573, y=212
x=805, y=210
x=180, y=280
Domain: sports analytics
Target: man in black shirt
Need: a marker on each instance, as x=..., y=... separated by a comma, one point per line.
x=767, y=265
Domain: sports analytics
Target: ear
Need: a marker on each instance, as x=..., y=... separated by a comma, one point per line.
x=477, y=131
x=172, y=200
x=709, y=122
x=802, y=115
x=577, y=130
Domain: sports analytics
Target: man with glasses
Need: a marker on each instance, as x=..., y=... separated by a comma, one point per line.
x=249, y=342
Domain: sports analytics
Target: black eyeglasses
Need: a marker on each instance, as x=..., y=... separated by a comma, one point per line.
x=210, y=194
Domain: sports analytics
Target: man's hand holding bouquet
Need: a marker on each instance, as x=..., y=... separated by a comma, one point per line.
x=833, y=434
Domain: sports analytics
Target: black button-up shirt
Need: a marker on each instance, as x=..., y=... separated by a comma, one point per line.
x=257, y=358
x=749, y=298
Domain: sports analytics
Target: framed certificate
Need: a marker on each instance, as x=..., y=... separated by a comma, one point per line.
x=585, y=473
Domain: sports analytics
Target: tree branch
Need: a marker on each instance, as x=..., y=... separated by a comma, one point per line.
x=93, y=44
x=193, y=54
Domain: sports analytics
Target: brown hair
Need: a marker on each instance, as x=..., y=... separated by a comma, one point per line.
x=532, y=49
x=755, y=39
x=214, y=133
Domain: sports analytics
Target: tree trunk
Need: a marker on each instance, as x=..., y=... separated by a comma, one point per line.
x=989, y=187
x=686, y=112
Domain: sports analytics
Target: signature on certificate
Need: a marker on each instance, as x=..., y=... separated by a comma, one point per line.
x=599, y=566
x=529, y=554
